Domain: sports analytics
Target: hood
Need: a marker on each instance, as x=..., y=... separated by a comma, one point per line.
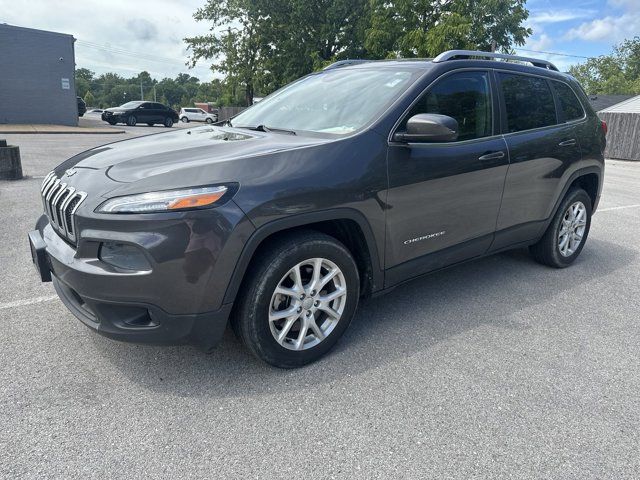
x=185, y=157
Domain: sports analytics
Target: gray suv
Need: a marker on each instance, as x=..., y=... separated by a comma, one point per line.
x=341, y=185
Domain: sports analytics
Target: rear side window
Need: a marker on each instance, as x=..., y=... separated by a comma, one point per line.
x=569, y=103
x=464, y=96
x=528, y=101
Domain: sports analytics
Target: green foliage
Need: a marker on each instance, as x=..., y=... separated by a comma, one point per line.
x=89, y=99
x=424, y=28
x=616, y=73
x=261, y=45
x=110, y=89
x=273, y=42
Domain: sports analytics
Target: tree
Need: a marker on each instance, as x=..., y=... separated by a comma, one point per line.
x=306, y=35
x=89, y=99
x=235, y=50
x=616, y=73
x=425, y=28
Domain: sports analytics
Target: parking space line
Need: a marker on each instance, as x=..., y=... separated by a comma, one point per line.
x=618, y=208
x=31, y=301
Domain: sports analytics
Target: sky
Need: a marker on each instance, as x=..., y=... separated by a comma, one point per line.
x=126, y=36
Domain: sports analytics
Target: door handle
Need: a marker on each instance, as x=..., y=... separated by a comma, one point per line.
x=568, y=143
x=491, y=156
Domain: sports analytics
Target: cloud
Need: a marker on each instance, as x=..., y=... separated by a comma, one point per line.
x=613, y=28
x=539, y=42
x=559, y=15
x=608, y=28
x=150, y=31
x=142, y=29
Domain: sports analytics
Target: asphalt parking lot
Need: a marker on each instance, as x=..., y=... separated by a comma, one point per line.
x=498, y=368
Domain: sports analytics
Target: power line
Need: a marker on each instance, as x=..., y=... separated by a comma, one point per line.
x=553, y=53
x=129, y=53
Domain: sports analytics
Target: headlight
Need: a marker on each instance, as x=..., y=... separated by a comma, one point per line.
x=166, y=201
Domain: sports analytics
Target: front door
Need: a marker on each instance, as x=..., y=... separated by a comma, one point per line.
x=444, y=198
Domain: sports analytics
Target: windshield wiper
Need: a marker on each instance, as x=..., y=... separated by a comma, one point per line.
x=264, y=128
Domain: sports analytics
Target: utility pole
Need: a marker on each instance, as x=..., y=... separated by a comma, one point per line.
x=155, y=98
x=493, y=45
x=141, y=94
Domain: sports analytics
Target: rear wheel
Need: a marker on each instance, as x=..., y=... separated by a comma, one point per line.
x=168, y=122
x=297, y=300
x=566, y=235
x=132, y=120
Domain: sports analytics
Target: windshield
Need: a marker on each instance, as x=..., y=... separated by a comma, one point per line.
x=130, y=105
x=337, y=101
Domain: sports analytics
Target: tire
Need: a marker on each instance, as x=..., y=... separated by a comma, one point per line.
x=184, y=120
x=558, y=249
x=132, y=120
x=209, y=120
x=254, y=320
x=168, y=122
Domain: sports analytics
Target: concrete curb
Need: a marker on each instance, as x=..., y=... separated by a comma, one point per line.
x=56, y=129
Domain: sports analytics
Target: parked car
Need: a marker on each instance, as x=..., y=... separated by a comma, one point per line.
x=197, y=115
x=133, y=113
x=82, y=107
x=342, y=185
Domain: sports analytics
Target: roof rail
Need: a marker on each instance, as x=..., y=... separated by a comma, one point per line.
x=456, y=54
x=344, y=63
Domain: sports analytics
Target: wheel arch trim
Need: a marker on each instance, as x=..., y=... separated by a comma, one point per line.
x=297, y=221
x=572, y=178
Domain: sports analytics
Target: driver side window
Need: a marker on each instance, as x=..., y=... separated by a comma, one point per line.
x=464, y=96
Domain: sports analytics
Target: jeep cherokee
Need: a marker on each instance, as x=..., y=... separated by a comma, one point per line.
x=339, y=186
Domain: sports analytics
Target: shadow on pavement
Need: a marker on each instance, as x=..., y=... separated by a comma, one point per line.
x=413, y=318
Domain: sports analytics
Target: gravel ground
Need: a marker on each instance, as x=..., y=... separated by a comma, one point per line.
x=499, y=368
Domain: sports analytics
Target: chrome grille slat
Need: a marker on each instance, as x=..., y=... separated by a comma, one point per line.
x=60, y=203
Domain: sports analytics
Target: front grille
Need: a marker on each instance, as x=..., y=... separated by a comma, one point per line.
x=60, y=203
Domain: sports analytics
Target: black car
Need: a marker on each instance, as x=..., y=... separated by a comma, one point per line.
x=133, y=113
x=342, y=185
x=82, y=107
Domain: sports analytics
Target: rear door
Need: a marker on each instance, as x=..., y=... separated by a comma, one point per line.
x=145, y=113
x=159, y=112
x=443, y=198
x=542, y=145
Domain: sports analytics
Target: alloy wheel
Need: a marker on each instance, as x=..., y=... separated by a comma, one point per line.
x=572, y=228
x=307, y=304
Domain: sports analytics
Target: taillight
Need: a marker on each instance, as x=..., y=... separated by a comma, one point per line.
x=604, y=126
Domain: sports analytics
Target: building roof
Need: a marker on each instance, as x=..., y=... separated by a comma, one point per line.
x=632, y=105
x=601, y=102
x=33, y=31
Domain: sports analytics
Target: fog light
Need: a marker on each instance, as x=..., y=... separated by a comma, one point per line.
x=122, y=255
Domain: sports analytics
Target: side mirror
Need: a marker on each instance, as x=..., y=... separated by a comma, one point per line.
x=429, y=127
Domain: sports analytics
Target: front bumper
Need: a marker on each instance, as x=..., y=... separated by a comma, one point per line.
x=178, y=300
x=145, y=324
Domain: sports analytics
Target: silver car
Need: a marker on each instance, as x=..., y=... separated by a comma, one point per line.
x=197, y=115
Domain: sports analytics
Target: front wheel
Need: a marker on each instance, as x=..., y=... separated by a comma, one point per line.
x=168, y=122
x=209, y=120
x=566, y=235
x=184, y=120
x=132, y=120
x=297, y=300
